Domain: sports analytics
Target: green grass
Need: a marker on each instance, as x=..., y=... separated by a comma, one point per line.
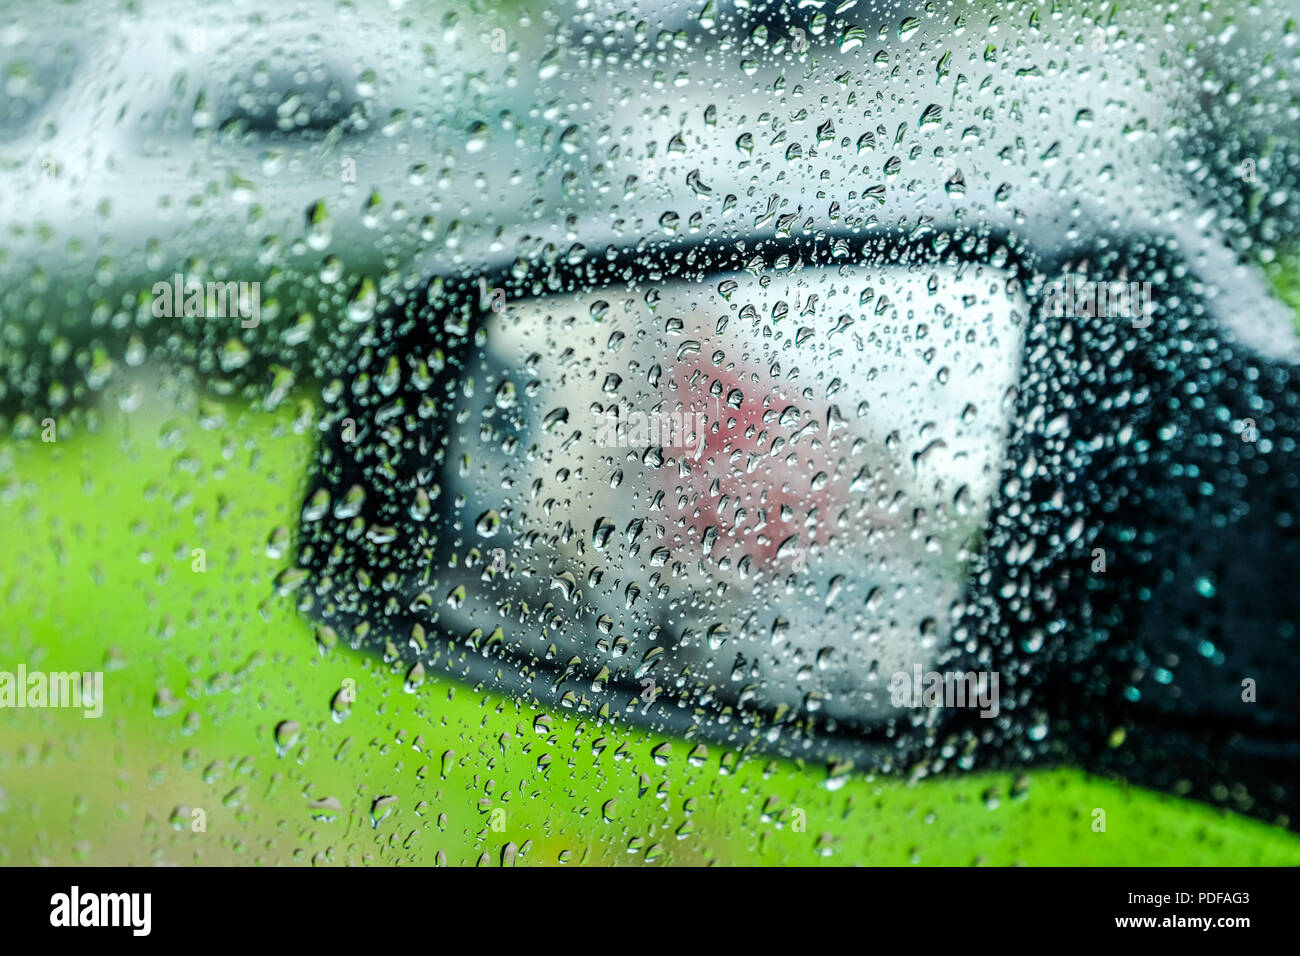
x=1284, y=275
x=95, y=572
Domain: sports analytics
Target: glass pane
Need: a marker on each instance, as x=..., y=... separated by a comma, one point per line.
x=521, y=431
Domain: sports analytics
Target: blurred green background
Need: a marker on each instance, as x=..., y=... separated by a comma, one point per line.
x=201, y=668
